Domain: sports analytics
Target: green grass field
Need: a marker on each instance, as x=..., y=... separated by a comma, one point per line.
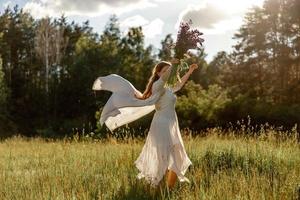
x=224, y=167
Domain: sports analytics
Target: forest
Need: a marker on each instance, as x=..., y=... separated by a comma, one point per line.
x=48, y=66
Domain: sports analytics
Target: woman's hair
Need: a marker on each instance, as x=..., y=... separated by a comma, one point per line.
x=158, y=67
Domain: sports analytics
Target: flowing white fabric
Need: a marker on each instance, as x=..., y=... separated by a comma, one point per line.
x=164, y=148
x=123, y=107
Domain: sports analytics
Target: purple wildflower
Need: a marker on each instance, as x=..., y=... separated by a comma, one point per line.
x=187, y=38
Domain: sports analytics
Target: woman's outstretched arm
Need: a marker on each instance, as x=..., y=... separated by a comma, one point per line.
x=184, y=78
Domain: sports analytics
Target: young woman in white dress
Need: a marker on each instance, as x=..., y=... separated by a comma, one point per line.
x=163, y=152
x=164, y=149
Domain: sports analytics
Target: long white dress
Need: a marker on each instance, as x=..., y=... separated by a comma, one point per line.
x=164, y=148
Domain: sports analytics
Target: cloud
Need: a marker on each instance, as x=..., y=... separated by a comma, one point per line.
x=224, y=26
x=134, y=21
x=7, y=3
x=217, y=16
x=38, y=10
x=154, y=28
x=204, y=16
x=90, y=8
x=151, y=29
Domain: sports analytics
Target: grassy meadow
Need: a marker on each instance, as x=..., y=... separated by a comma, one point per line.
x=225, y=166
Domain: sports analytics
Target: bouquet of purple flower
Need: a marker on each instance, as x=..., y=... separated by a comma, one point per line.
x=187, y=39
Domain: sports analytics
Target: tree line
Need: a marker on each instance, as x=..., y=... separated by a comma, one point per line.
x=48, y=66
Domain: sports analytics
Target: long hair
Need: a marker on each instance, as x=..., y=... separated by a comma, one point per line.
x=154, y=77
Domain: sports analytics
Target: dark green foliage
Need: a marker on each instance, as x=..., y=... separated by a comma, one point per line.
x=7, y=127
x=260, y=78
x=201, y=107
x=70, y=104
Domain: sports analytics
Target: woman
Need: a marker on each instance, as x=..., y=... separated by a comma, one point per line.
x=163, y=152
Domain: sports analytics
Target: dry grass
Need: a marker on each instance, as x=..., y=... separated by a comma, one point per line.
x=224, y=167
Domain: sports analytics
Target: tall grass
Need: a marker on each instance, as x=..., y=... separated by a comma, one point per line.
x=226, y=165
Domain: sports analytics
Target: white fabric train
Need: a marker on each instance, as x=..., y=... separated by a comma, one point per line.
x=123, y=107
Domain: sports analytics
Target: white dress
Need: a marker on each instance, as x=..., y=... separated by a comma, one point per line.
x=164, y=148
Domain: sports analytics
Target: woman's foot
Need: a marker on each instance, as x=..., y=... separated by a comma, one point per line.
x=171, y=178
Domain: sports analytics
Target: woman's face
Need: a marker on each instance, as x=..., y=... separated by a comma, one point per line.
x=163, y=70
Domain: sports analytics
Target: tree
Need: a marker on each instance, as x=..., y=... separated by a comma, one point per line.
x=265, y=61
x=198, y=104
x=166, y=52
x=50, y=44
x=3, y=90
x=137, y=61
x=218, y=67
x=110, y=47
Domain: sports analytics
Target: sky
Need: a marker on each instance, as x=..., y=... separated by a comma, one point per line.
x=217, y=19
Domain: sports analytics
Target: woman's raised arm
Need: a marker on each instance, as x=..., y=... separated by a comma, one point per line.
x=184, y=78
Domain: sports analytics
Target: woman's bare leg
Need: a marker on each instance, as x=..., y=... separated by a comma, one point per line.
x=171, y=178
